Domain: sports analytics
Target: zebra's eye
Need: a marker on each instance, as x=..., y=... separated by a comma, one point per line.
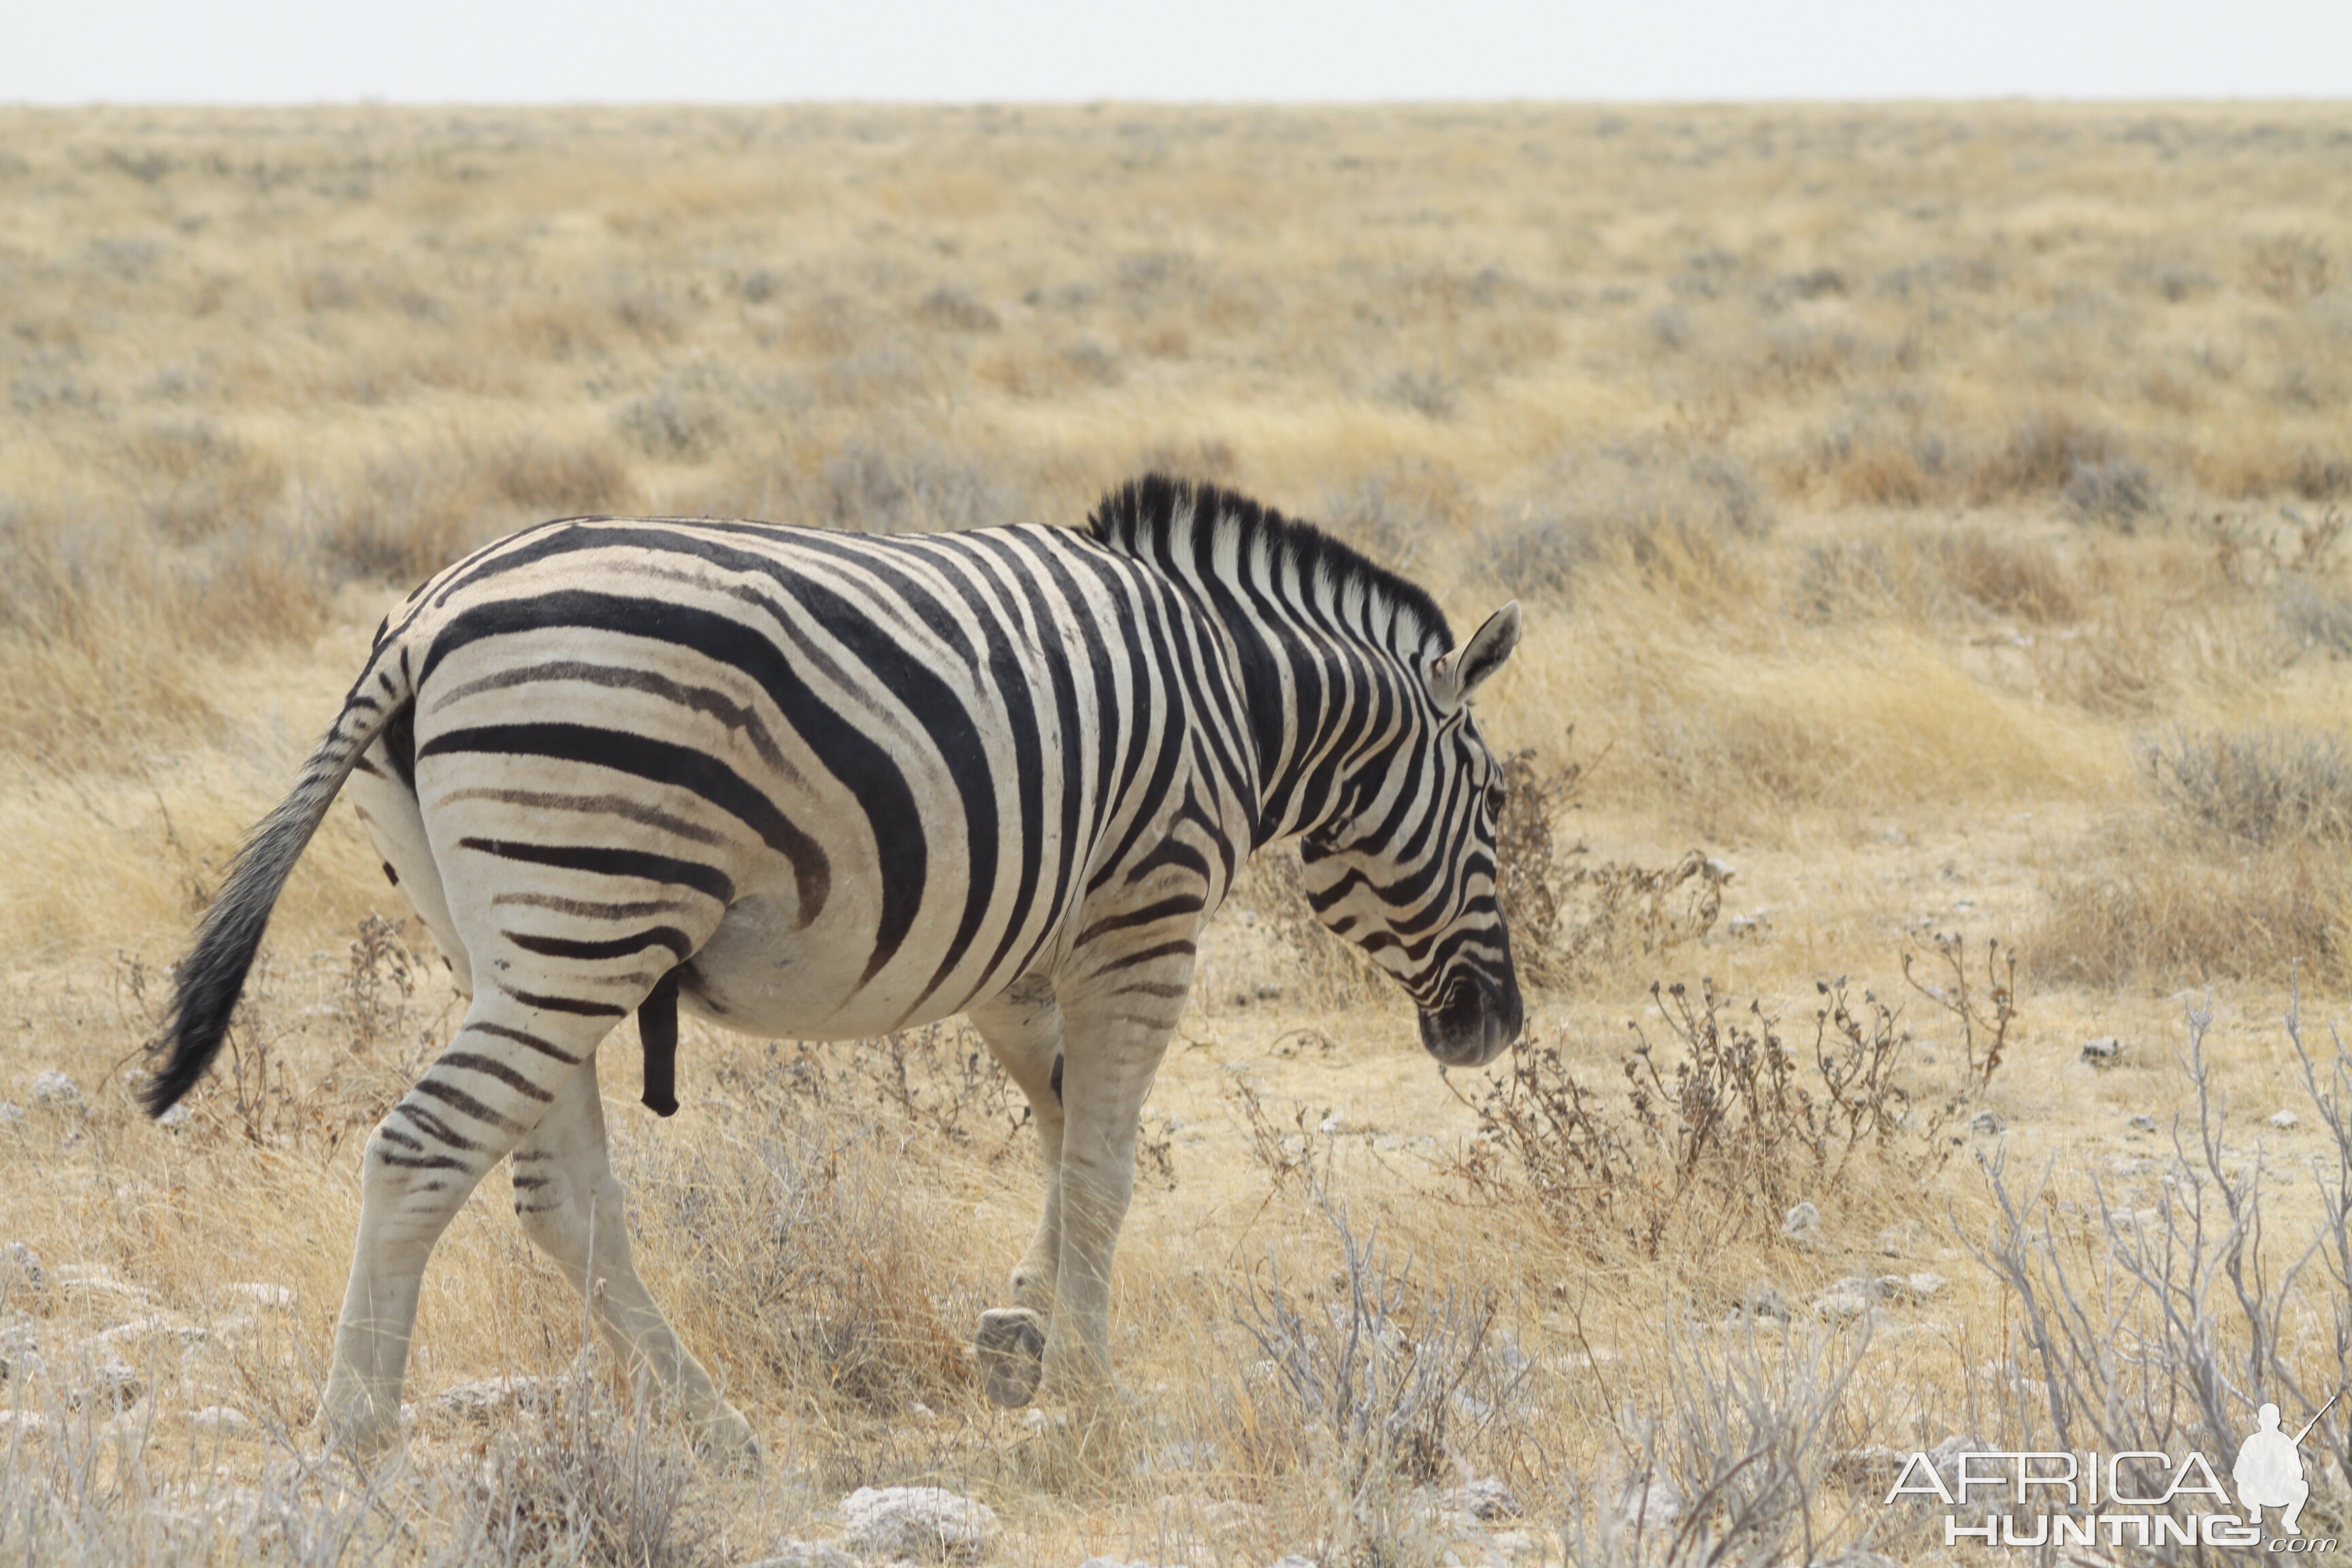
x=1498, y=797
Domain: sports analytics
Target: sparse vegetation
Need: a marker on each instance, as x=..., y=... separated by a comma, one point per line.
x=1929, y=519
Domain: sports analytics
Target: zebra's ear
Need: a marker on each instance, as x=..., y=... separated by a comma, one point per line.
x=1453, y=678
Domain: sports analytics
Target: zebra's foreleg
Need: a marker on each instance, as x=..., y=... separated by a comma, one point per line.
x=1116, y=1037
x=1023, y=1031
x=571, y=1205
x=469, y=1110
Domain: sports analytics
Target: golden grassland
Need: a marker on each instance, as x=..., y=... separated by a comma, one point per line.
x=1931, y=515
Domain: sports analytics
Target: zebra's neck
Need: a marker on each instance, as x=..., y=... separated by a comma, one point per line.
x=1327, y=650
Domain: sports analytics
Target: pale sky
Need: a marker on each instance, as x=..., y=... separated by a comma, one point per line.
x=539, y=51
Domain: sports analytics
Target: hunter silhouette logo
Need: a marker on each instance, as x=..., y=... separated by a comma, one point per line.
x=2136, y=1497
x=2269, y=1471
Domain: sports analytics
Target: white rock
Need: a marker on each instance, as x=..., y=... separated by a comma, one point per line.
x=1296, y=1560
x=54, y=1090
x=26, y=1422
x=1926, y=1287
x=2104, y=1052
x=20, y=1271
x=110, y=1382
x=1653, y=1504
x=154, y=1326
x=221, y=1421
x=806, y=1554
x=2283, y=1120
x=922, y=1524
x=1485, y=1501
x=275, y=1298
x=1515, y=1546
x=1802, y=1225
x=2143, y=1123
x=1841, y=1306
x=1988, y=1123
x=12, y=1115
x=177, y=1116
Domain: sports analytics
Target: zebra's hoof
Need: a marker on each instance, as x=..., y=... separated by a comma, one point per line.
x=725, y=1442
x=1012, y=1352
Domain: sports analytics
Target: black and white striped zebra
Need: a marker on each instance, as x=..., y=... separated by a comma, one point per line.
x=824, y=787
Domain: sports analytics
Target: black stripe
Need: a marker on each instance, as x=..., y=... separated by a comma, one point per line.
x=525, y=1037
x=706, y=880
x=565, y=1004
x=490, y=1067
x=464, y=1104
x=661, y=761
x=669, y=937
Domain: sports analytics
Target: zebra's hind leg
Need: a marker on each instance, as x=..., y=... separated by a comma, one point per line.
x=1023, y=1031
x=471, y=1108
x=571, y=1205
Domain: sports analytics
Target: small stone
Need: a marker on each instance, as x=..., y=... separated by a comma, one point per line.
x=260, y=1293
x=1841, y=1306
x=1296, y=1560
x=1485, y=1501
x=1926, y=1287
x=2143, y=1123
x=1517, y=1546
x=1891, y=1242
x=2283, y=1120
x=922, y=1524
x=1765, y=1302
x=1987, y=1122
x=177, y=1116
x=1802, y=1225
x=12, y=1115
x=2106, y=1051
x=806, y=1554
x=1653, y=1504
x=1870, y=1466
x=54, y=1090
x=25, y=1422
x=109, y=1383
x=21, y=1274
x=221, y=1421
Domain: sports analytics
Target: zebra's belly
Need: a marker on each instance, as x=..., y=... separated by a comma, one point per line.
x=761, y=974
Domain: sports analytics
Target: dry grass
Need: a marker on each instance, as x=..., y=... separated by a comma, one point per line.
x=1929, y=523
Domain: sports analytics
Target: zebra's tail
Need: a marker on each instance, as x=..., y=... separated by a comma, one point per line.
x=212, y=975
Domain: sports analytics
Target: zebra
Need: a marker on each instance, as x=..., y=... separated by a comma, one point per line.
x=828, y=785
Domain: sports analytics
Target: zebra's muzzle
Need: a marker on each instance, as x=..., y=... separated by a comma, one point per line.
x=1478, y=1020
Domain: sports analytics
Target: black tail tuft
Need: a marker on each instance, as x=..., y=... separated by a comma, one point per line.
x=212, y=975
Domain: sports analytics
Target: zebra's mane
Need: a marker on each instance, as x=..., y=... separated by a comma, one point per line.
x=1159, y=518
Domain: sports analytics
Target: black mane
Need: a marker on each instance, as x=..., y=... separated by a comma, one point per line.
x=1149, y=517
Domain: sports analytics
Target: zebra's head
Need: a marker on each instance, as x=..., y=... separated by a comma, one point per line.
x=1404, y=867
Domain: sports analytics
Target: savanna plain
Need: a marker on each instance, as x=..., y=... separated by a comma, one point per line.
x=1930, y=798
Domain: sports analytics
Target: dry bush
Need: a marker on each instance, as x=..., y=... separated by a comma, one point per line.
x=1719, y=1144
x=580, y=1481
x=2019, y=578
x=1669, y=511
x=1732, y=1471
x=2252, y=787
x=2042, y=455
x=410, y=512
x=804, y=1232
x=2230, y=876
x=899, y=481
x=2157, y=1310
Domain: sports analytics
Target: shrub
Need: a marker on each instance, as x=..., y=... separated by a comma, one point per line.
x=1718, y=1145
x=2114, y=491
x=903, y=485
x=2253, y=787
